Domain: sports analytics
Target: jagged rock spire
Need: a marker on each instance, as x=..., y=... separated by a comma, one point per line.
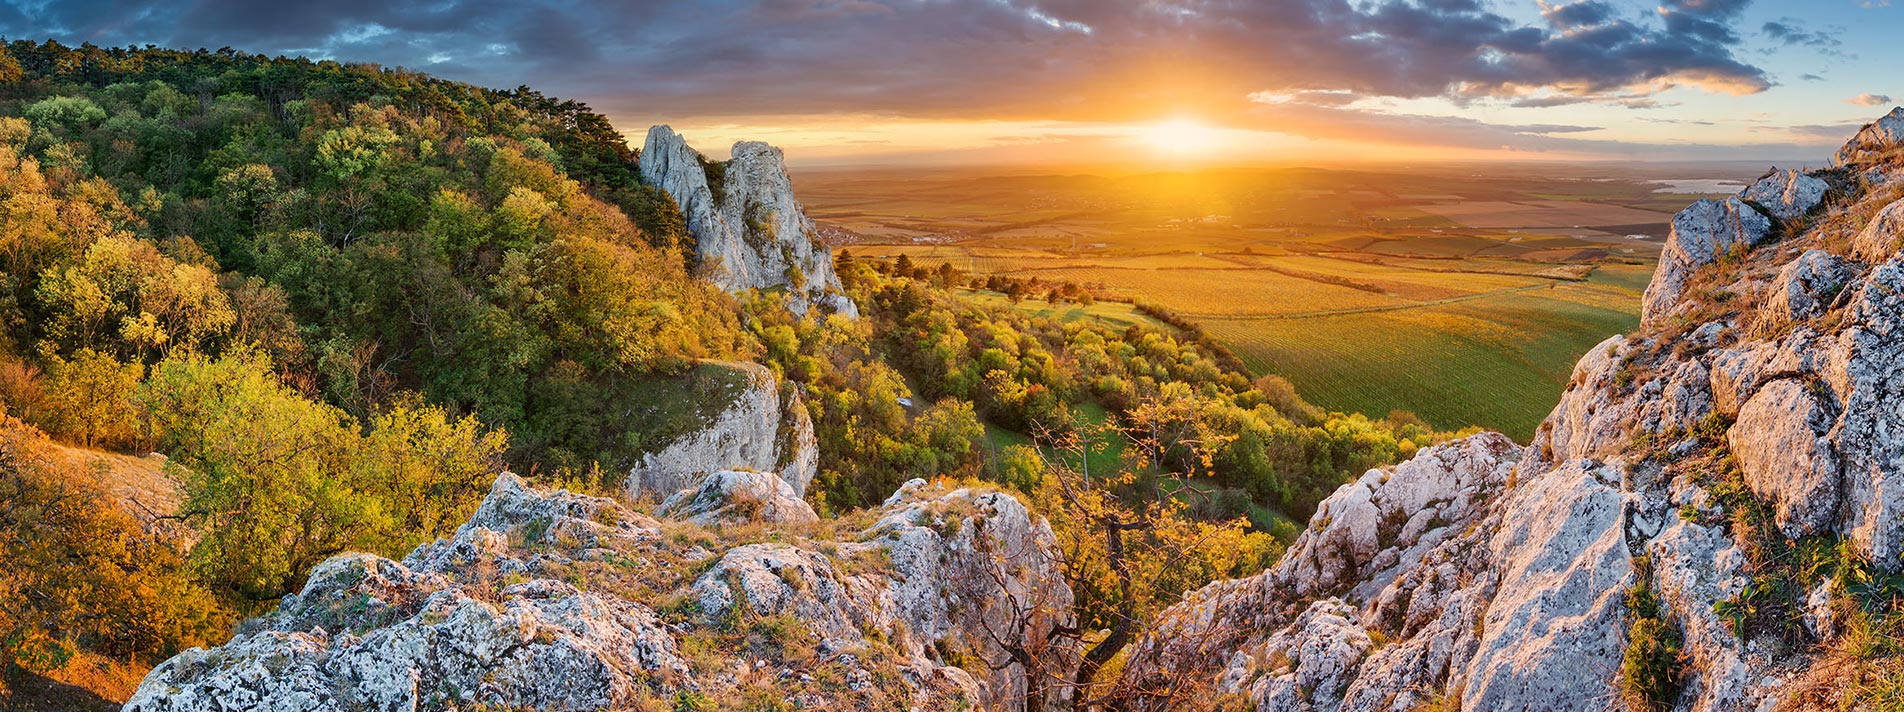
x=749, y=229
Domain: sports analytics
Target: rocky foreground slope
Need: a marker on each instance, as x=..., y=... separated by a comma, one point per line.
x=556, y=601
x=749, y=230
x=1714, y=494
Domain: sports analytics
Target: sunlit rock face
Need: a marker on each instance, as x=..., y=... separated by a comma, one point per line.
x=750, y=232
x=743, y=423
x=737, y=496
x=551, y=600
x=1701, y=234
x=1874, y=140
x=1786, y=194
x=1758, y=403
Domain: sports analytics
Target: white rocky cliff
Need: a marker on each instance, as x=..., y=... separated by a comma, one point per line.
x=1754, y=416
x=749, y=230
x=740, y=421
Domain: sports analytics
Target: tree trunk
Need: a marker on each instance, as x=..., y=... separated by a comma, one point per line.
x=1107, y=648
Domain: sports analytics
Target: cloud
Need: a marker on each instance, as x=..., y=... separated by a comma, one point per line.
x=1869, y=99
x=1009, y=58
x=1815, y=133
x=1790, y=32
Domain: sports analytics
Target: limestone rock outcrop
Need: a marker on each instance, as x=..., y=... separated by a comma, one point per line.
x=1874, y=140
x=739, y=496
x=1786, y=194
x=1786, y=456
x=552, y=600
x=1806, y=287
x=1484, y=576
x=1701, y=234
x=749, y=230
x=1879, y=239
x=740, y=423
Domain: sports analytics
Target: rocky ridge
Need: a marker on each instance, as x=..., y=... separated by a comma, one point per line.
x=557, y=601
x=750, y=232
x=1752, y=418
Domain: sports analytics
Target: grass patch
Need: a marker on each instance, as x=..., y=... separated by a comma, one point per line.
x=1653, y=668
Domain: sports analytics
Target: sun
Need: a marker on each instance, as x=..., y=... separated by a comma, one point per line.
x=1179, y=138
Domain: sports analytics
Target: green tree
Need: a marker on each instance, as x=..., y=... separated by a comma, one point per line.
x=278, y=482
x=88, y=398
x=430, y=471
x=266, y=473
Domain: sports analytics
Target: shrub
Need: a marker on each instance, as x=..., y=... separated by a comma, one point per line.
x=81, y=575
x=1652, y=669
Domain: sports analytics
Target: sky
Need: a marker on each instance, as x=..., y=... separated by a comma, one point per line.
x=1145, y=82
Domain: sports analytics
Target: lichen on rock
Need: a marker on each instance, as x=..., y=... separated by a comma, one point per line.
x=528, y=605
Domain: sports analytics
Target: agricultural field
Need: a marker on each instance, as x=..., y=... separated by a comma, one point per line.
x=1461, y=294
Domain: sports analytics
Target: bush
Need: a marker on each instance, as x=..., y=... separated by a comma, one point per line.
x=82, y=575
x=88, y=398
x=1652, y=669
x=280, y=482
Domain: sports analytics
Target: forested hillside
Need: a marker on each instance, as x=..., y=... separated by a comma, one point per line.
x=340, y=298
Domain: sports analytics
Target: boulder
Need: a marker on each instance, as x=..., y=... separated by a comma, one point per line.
x=1879, y=239
x=1873, y=141
x=1701, y=234
x=1806, y=287
x=1786, y=194
x=783, y=580
x=1781, y=445
x=753, y=234
x=734, y=496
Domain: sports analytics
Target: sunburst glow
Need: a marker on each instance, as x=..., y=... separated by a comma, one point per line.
x=1180, y=138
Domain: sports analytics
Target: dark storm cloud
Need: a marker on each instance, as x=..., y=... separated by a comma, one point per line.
x=992, y=58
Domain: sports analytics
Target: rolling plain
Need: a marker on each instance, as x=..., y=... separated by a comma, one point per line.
x=1460, y=293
